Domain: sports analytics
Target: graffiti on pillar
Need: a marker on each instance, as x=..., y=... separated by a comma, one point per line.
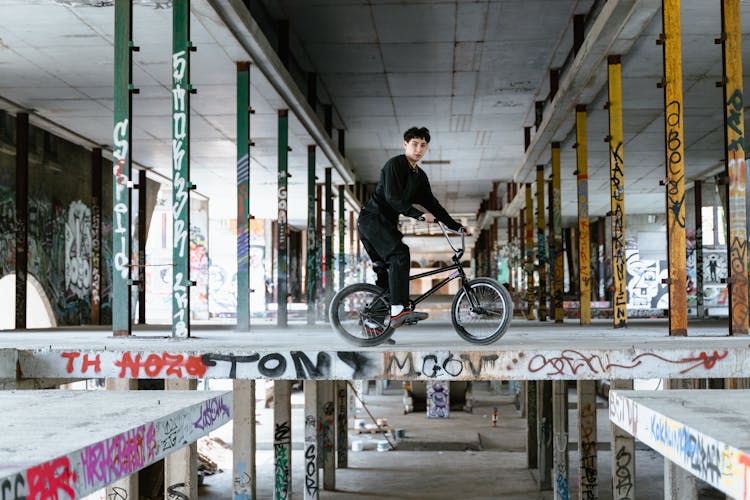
x=618, y=234
x=675, y=169
x=121, y=222
x=438, y=399
x=311, y=456
x=181, y=274
x=282, y=458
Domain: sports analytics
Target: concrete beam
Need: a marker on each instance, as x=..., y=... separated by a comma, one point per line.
x=237, y=18
x=615, y=30
x=683, y=426
x=117, y=434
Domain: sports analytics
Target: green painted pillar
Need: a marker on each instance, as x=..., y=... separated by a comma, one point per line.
x=283, y=262
x=243, y=195
x=312, y=268
x=22, y=217
x=342, y=239
x=121, y=185
x=181, y=185
x=329, y=237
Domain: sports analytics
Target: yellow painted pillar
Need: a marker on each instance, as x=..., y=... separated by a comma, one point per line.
x=735, y=164
x=529, y=227
x=675, y=163
x=584, y=236
x=541, y=251
x=557, y=279
x=617, y=192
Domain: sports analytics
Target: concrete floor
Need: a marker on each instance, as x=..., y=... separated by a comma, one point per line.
x=498, y=470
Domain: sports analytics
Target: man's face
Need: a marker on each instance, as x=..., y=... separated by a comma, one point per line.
x=415, y=149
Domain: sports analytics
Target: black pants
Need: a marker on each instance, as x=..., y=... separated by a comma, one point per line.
x=382, y=242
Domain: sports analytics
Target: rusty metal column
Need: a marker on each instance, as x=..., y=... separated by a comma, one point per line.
x=312, y=249
x=342, y=238
x=181, y=185
x=541, y=244
x=734, y=133
x=675, y=178
x=283, y=228
x=121, y=184
x=22, y=216
x=584, y=237
x=529, y=226
x=698, y=192
x=243, y=195
x=588, y=484
x=96, y=235
x=556, y=223
x=142, y=217
x=617, y=192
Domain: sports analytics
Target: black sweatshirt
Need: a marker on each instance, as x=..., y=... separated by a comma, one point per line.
x=400, y=186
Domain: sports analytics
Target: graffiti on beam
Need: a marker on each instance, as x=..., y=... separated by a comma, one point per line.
x=119, y=456
x=439, y=365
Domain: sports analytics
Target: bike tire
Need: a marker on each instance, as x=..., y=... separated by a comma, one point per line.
x=352, y=309
x=482, y=328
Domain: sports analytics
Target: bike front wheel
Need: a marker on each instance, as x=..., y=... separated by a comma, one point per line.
x=361, y=314
x=485, y=316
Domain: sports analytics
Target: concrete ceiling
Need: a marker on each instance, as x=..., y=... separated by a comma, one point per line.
x=468, y=70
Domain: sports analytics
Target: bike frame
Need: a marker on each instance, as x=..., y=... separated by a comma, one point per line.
x=456, y=267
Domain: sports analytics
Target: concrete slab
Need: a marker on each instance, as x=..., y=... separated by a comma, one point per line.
x=67, y=444
x=706, y=432
x=529, y=351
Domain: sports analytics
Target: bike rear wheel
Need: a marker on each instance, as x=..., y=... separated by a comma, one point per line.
x=488, y=321
x=361, y=314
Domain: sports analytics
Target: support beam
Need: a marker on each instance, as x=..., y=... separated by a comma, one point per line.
x=342, y=424
x=181, y=185
x=312, y=418
x=532, y=446
x=734, y=133
x=328, y=406
x=282, y=234
x=541, y=252
x=312, y=248
x=623, y=450
x=560, y=439
x=617, y=192
x=698, y=195
x=142, y=218
x=121, y=168
x=675, y=167
x=96, y=235
x=544, y=434
x=328, y=263
x=556, y=223
x=244, y=440
x=529, y=247
x=584, y=236
x=181, y=467
x=243, y=196
x=587, y=465
x=342, y=238
x=282, y=439
x=22, y=217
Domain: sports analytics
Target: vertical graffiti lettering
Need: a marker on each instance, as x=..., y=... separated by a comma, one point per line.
x=121, y=222
x=179, y=192
x=282, y=448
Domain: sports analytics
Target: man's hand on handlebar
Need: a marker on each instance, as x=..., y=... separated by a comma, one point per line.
x=465, y=230
x=427, y=217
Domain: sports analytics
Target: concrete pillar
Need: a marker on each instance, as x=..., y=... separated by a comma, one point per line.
x=312, y=417
x=588, y=486
x=544, y=433
x=22, y=216
x=243, y=196
x=679, y=484
x=529, y=247
x=698, y=192
x=181, y=467
x=342, y=424
x=243, y=440
x=283, y=227
x=329, y=258
x=623, y=455
x=531, y=430
x=96, y=235
x=141, y=229
x=584, y=242
x=282, y=439
x=328, y=406
x=126, y=487
x=541, y=253
x=560, y=439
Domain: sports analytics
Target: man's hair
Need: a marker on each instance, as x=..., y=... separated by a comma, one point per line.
x=417, y=133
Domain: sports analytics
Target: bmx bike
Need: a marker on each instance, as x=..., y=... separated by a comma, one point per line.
x=481, y=310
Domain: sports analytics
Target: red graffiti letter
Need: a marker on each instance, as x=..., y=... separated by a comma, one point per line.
x=71, y=356
x=127, y=363
x=87, y=362
x=46, y=479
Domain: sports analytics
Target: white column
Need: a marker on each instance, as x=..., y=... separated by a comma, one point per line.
x=181, y=467
x=243, y=440
x=312, y=482
x=282, y=439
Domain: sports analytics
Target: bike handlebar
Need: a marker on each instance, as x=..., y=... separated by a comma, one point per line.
x=462, y=232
